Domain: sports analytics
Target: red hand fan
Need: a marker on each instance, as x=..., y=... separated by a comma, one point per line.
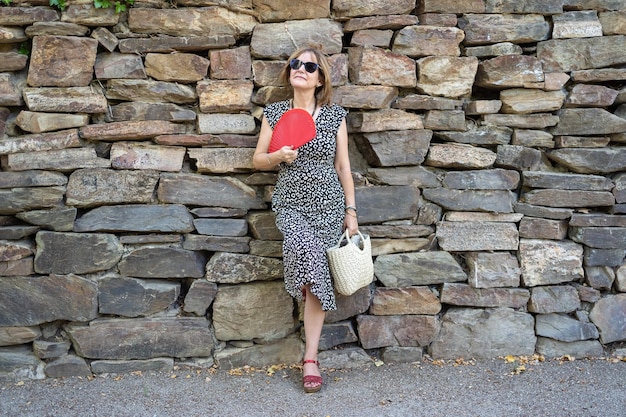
x=294, y=128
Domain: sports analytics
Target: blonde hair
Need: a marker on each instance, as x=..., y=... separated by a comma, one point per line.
x=323, y=93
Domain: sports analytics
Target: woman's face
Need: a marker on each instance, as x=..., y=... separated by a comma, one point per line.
x=300, y=78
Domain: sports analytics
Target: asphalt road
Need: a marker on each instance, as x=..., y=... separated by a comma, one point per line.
x=494, y=388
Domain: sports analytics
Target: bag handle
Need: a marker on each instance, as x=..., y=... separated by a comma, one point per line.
x=346, y=235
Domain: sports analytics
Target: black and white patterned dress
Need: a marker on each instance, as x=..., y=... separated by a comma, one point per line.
x=310, y=205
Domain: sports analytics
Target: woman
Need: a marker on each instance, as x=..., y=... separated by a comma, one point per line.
x=314, y=194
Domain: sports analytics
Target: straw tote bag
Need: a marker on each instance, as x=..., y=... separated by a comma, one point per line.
x=350, y=262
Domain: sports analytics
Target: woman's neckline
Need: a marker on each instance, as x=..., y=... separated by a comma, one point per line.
x=316, y=109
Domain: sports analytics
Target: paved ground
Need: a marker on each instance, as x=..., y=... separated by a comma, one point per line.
x=496, y=388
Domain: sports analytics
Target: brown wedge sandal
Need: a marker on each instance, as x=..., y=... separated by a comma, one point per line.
x=311, y=379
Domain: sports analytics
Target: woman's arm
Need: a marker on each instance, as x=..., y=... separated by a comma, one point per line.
x=342, y=166
x=265, y=161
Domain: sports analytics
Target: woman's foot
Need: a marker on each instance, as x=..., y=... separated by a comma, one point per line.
x=312, y=380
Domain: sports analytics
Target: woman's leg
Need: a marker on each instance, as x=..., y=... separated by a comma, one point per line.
x=313, y=322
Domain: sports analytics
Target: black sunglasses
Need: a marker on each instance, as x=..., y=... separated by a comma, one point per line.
x=310, y=67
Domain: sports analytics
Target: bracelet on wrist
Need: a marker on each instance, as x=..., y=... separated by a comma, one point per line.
x=351, y=208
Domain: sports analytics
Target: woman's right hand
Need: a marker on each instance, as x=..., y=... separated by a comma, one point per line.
x=287, y=154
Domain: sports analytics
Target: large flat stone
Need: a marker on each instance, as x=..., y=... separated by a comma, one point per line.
x=199, y=297
x=488, y=179
x=130, y=297
x=222, y=160
x=259, y=310
x=65, y=99
x=460, y=294
x=599, y=237
x=44, y=299
x=369, y=65
x=564, y=328
x=172, y=218
x=36, y=122
x=181, y=67
x=33, y=178
x=94, y=187
x=20, y=199
x=222, y=123
x=64, y=160
x=24, y=16
x=568, y=198
x=395, y=148
x=495, y=201
x=492, y=269
x=162, y=262
x=149, y=91
x=230, y=268
x=351, y=8
x=582, y=349
x=116, y=65
x=67, y=366
x=591, y=160
x=563, y=181
x=152, y=111
x=554, y=299
x=18, y=335
x=335, y=334
x=417, y=41
x=203, y=190
x=492, y=28
x=180, y=337
x=402, y=202
x=581, y=53
x=484, y=333
x=384, y=120
x=455, y=155
x=224, y=96
x=509, y=71
x=474, y=236
x=278, y=40
x=62, y=61
x=132, y=130
x=403, y=330
x=417, y=268
x=18, y=363
x=545, y=262
x=609, y=315
x=288, y=351
x=407, y=300
x=204, y=21
x=443, y=76
x=76, y=253
x=164, y=43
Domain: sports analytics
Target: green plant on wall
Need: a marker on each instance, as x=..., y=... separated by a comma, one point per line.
x=24, y=48
x=120, y=5
x=60, y=4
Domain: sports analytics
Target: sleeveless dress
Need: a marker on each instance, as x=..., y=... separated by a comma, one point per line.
x=309, y=203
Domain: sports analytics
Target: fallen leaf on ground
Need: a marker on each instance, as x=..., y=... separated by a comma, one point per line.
x=520, y=369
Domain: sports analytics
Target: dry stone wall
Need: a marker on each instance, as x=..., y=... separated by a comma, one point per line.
x=488, y=146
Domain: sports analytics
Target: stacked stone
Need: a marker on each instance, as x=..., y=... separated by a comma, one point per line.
x=486, y=140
